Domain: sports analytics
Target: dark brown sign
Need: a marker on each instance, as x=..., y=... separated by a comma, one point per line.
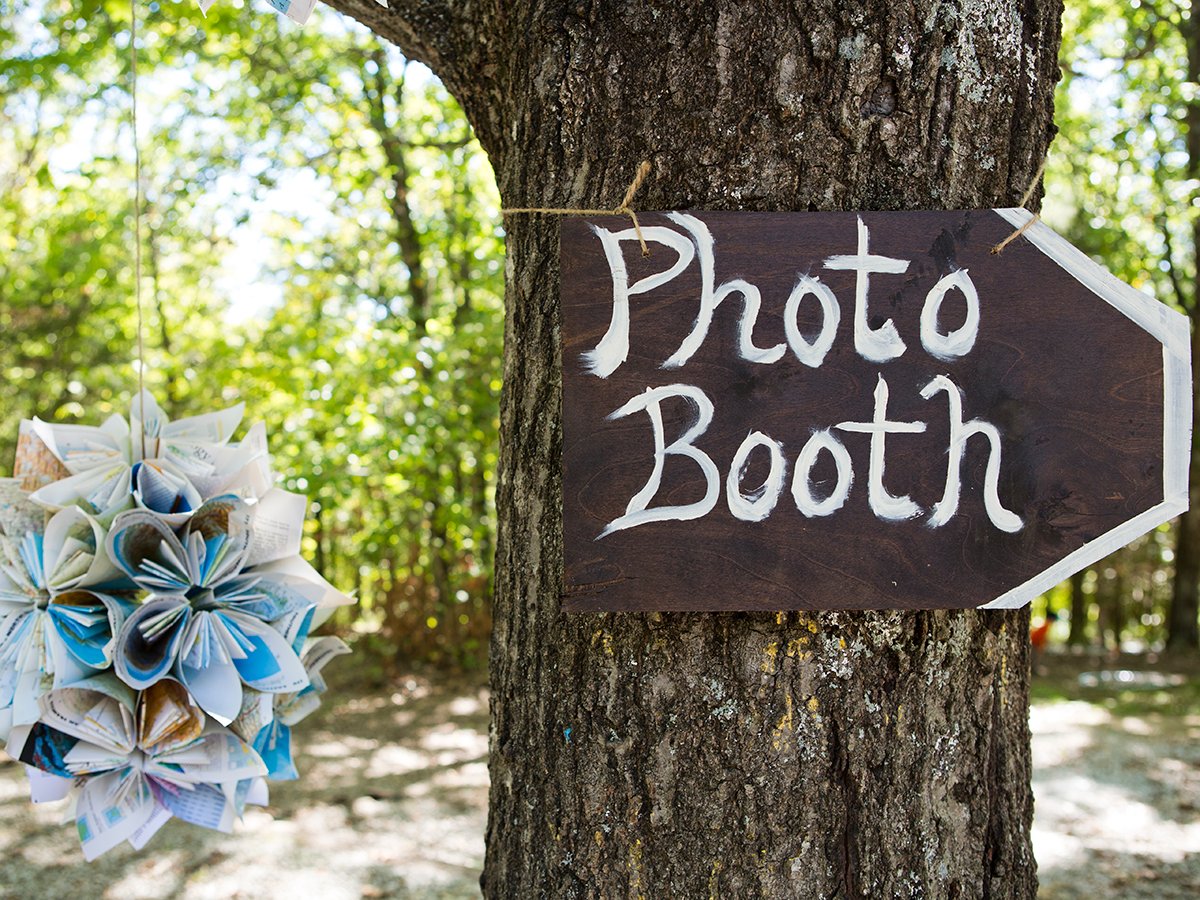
x=855, y=411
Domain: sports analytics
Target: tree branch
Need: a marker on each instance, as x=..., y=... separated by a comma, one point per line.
x=438, y=33
x=464, y=42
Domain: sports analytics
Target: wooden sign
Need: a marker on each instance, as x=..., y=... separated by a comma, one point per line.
x=856, y=411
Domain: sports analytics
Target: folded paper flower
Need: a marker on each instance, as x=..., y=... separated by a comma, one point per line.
x=135, y=760
x=151, y=591
x=210, y=621
x=59, y=610
x=149, y=462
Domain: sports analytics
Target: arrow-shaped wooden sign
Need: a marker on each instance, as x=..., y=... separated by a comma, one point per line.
x=856, y=411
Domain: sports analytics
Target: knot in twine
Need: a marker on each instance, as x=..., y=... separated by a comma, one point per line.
x=1028, y=193
x=622, y=209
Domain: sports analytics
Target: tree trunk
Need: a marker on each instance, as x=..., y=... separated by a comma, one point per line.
x=1108, y=597
x=1079, y=611
x=736, y=755
x=1183, y=617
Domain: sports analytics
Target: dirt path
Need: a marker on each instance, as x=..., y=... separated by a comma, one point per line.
x=394, y=801
x=393, y=805
x=1117, y=784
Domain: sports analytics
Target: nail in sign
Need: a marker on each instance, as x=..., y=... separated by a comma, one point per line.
x=784, y=411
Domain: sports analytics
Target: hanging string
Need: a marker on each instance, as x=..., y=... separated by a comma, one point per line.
x=1028, y=193
x=623, y=209
x=137, y=217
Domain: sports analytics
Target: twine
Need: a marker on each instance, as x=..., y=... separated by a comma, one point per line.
x=623, y=209
x=1036, y=218
x=137, y=217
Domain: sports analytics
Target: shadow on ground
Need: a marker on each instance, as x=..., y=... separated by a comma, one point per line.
x=392, y=803
x=1116, y=778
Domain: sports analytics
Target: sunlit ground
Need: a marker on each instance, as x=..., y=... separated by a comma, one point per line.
x=393, y=804
x=394, y=799
x=1116, y=783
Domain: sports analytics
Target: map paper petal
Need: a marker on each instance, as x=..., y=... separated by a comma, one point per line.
x=72, y=537
x=217, y=688
x=18, y=512
x=168, y=717
x=35, y=464
x=204, y=806
x=278, y=526
x=40, y=746
x=46, y=788
x=141, y=661
x=105, y=822
x=84, y=447
x=273, y=667
x=101, y=491
x=274, y=745
x=160, y=817
x=297, y=574
x=137, y=537
x=87, y=623
x=158, y=485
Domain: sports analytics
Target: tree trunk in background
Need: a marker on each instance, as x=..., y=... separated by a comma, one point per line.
x=1079, y=611
x=1183, y=629
x=1183, y=618
x=1108, y=599
x=736, y=755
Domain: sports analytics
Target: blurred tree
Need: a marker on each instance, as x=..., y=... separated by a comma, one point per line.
x=378, y=373
x=66, y=212
x=405, y=275
x=1128, y=164
x=1078, y=611
x=63, y=264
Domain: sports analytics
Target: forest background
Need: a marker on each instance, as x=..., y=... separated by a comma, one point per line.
x=322, y=240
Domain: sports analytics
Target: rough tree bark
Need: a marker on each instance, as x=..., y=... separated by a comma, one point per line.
x=791, y=755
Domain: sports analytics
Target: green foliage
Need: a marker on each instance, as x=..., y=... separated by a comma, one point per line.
x=377, y=372
x=1122, y=166
x=63, y=267
x=1122, y=185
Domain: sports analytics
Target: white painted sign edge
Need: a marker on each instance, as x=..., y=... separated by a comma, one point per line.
x=1173, y=331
